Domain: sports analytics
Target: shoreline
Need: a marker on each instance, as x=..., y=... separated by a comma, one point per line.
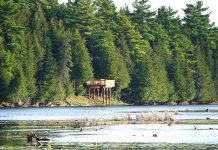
x=99, y=122
x=85, y=102
x=7, y=105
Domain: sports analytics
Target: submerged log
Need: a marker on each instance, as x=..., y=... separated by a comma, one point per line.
x=34, y=139
x=154, y=135
x=3, y=104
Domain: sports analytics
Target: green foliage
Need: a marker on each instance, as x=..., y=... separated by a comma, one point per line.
x=198, y=28
x=61, y=50
x=138, y=47
x=151, y=82
x=204, y=83
x=142, y=16
x=183, y=72
x=39, y=28
x=29, y=66
x=107, y=60
x=82, y=70
x=44, y=46
x=17, y=88
x=80, y=15
x=47, y=82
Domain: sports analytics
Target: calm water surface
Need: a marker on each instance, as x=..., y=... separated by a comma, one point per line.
x=68, y=113
x=130, y=136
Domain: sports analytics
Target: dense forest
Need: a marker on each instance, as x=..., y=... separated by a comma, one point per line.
x=153, y=56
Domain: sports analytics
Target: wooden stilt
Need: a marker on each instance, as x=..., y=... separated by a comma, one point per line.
x=100, y=89
x=89, y=94
x=98, y=93
x=103, y=94
x=94, y=93
x=106, y=96
x=110, y=95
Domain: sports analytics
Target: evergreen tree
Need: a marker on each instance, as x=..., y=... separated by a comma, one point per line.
x=183, y=71
x=197, y=27
x=39, y=29
x=48, y=89
x=204, y=83
x=11, y=54
x=106, y=11
x=172, y=27
x=216, y=68
x=170, y=22
x=137, y=45
x=82, y=70
x=143, y=18
x=29, y=65
x=45, y=45
x=107, y=61
x=151, y=82
x=125, y=51
x=17, y=88
x=80, y=15
x=61, y=50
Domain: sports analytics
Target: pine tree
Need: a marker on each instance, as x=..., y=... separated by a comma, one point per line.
x=7, y=63
x=48, y=89
x=216, y=68
x=143, y=17
x=106, y=11
x=29, y=65
x=11, y=53
x=17, y=88
x=183, y=71
x=39, y=28
x=150, y=82
x=125, y=51
x=80, y=15
x=137, y=45
x=45, y=45
x=61, y=50
x=204, y=83
x=107, y=61
x=82, y=70
x=197, y=27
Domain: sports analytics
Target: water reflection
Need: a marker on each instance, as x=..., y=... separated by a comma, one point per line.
x=134, y=136
x=117, y=137
x=69, y=113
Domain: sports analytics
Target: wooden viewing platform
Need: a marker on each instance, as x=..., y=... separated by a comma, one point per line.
x=100, y=89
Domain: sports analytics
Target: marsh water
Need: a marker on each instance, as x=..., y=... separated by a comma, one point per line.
x=71, y=113
x=123, y=136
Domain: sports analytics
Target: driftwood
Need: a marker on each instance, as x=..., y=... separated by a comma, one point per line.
x=34, y=139
x=154, y=135
x=68, y=104
x=2, y=104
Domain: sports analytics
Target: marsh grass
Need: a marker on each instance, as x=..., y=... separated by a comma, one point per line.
x=84, y=101
x=168, y=116
x=154, y=116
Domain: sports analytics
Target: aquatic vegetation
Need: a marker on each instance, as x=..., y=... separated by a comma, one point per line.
x=168, y=116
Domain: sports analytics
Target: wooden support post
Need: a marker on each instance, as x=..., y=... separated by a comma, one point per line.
x=94, y=93
x=98, y=93
x=101, y=91
x=110, y=95
x=89, y=94
x=106, y=96
x=103, y=94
